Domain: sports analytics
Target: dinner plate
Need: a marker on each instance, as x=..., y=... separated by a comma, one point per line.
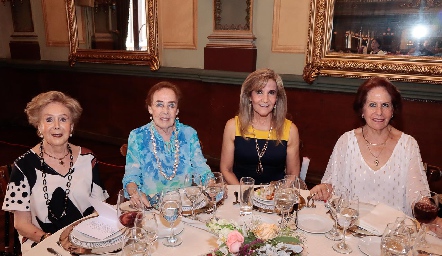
x=258, y=196
x=314, y=223
x=85, y=241
x=370, y=245
x=264, y=206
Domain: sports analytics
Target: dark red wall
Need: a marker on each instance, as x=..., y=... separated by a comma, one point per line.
x=114, y=105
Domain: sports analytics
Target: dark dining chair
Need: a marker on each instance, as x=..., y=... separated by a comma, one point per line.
x=10, y=246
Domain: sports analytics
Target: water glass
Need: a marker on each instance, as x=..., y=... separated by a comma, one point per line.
x=148, y=222
x=284, y=200
x=215, y=188
x=246, y=185
x=347, y=215
x=170, y=208
x=193, y=189
x=395, y=241
x=428, y=239
x=134, y=243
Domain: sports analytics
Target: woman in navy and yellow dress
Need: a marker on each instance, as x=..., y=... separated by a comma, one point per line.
x=260, y=142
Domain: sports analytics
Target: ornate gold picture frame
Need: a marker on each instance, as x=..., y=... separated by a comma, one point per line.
x=320, y=61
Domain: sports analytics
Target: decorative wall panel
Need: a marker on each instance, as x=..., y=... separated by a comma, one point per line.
x=178, y=25
x=288, y=33
x=55, y=22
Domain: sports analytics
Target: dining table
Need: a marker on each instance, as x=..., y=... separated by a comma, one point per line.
x=198, y=240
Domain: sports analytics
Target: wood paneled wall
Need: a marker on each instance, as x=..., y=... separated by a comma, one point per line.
x=114, y=105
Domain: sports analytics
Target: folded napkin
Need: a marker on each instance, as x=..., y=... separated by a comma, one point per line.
x=377, y=219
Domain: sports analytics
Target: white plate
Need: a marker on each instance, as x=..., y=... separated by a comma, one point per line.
x=262, y=205
x=82, y=240
x=314, y=223
x=370, y=245
x=260, y=198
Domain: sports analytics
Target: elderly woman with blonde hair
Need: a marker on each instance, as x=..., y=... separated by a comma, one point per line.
x=51, y=183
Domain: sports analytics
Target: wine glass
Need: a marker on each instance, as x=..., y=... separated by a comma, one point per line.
x=134, y=243
x=425, y=207
x=170, y=208
x=333, y=205
x=148, y=222
x=126, y=209
x=285, y=198
x=193, y=189
x=395, y=240
x=347, y=214
x=297, y=184
x=214, y=187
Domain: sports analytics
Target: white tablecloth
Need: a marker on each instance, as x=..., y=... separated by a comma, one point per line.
x=199, y=242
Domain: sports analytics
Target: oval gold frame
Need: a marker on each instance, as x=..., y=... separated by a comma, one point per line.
x=149, y=57
x=320, y=62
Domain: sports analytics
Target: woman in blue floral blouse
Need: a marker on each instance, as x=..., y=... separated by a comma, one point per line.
x=162, y=152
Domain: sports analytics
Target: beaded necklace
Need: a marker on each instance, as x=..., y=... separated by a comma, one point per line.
x=177, y=154
x=68, y=183
x=259, y=168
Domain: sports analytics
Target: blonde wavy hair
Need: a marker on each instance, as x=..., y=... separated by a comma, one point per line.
x=34, y=107
x=256, y=81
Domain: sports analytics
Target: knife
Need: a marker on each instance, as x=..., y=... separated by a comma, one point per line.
x=51, y=250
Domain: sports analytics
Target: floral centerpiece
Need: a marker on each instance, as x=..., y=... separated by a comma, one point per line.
x=256, y=239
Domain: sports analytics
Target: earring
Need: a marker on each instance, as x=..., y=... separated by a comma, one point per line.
x=392, y=115
x=362, y=116
x=274, y=107
x=177, y=118
x=150, y=118
x=70, y=135
x=39, y=134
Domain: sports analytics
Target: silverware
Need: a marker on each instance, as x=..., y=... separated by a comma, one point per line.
x=236, y=197
x=422, y=252
x=308, y=200
x=51, y=250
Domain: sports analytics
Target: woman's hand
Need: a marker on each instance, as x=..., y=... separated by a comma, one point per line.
x=139, y=200
x=322, y=191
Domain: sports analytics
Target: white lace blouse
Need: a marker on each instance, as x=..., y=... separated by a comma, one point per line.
x=397, y=183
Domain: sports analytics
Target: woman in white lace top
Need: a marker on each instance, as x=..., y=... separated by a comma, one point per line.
x=376, y=161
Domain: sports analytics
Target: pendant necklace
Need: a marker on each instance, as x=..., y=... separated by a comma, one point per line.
x=376, y=161
x=68, y=183
x=177, y=154
x=259, y=168
x=60, y=160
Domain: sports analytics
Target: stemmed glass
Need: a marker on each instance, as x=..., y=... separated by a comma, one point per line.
x=148, y=222
x=296, y=183
x=425, y=207
x=333, y=206
x=126, y=209
x=134, y=242
x=214, y=187
x=193, y=190
x=347, y=214
x=170, y=207
x=285, y=197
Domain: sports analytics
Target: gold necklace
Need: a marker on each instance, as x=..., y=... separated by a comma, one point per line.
x=259, y=168
x=375, y=144
x=376, y=161
x=56, y=158
x=177, y=154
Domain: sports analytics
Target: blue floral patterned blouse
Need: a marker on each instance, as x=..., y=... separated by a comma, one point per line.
x=141, y=164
